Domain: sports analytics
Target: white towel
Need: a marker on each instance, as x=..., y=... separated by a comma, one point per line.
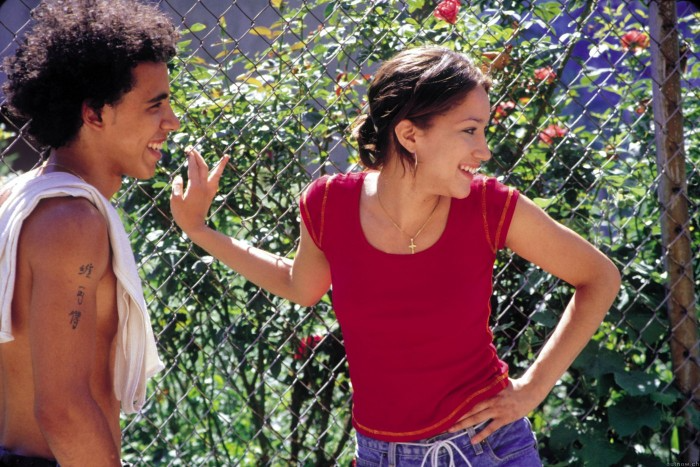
x=136, y=356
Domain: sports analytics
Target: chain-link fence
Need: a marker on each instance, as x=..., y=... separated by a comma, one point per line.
x=594, y=111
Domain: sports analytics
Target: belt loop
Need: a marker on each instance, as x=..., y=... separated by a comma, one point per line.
x=392, y=454
x=478, y=450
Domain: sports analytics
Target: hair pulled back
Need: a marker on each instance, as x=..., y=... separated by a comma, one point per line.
x=416, y=84
x=81, y=51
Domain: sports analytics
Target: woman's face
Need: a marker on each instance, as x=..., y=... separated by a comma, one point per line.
x=453, y=147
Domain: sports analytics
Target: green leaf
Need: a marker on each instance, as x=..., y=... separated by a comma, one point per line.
x=544, y=203
x=637, y=383
x=666, y=398
x=545, y=317
x=197, y=27
x=547, y=11
x=598, y=450
x=263, y=31
x=414, y=5
x=597, y=362
x=632, y=414
x=563, y=435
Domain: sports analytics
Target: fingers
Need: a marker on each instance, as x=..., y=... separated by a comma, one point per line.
x=199, y=161
x=474, y=417
x=492, y=423
x=217, y=170
x=478, y=414
x=198, y=170
x=490, y=428
x=177, y=187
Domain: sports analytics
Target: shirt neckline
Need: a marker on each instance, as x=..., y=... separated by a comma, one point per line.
x=366, y=243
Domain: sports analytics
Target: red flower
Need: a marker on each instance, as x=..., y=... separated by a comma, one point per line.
x=306, y=345
x=551, y=132
x=635, y=41
x=642, y=106
x=546, y=73
x=502, y=110
x=447, y=10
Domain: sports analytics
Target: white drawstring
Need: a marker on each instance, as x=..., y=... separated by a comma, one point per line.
x=447, y=444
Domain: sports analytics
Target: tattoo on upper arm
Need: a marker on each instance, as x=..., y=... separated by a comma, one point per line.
x=81, y=294
x=74, y=318
x=76, y=314
x=86, y=270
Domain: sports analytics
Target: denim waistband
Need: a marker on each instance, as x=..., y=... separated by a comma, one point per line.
x=415, y=448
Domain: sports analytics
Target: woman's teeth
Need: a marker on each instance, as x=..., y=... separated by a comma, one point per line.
x=155, y=146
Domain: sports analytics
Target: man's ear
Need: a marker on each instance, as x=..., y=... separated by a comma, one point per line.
x=91, y=117
x=405, y=132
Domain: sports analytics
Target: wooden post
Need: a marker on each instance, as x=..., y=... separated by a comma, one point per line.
x=675, y=218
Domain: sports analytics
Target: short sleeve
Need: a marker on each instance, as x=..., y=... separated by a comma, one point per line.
x=498, y=205
x=312, y=206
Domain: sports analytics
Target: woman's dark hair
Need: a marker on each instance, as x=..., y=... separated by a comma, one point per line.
x=416, y=84
x=81, y=51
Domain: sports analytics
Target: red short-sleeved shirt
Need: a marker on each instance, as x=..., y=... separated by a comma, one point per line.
x=418, y=342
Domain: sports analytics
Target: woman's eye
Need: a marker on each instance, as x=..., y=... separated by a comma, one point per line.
x=470, y=131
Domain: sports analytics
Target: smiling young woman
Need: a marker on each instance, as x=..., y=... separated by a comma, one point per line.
x=410, y=245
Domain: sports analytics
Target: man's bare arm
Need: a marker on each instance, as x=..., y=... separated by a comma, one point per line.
x=67, y=247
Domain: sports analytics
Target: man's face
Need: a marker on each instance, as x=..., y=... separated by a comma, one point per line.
x=137, y=126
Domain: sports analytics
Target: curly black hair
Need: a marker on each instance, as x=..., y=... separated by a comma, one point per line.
x=81, y=51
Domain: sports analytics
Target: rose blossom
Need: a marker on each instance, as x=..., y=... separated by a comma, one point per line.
x=447, y=10
x=635, y=41
x=552, y=131
x=546, y=73
x=502, y=110
x=305, y=347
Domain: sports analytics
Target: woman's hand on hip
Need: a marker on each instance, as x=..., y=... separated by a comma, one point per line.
x=511, y=404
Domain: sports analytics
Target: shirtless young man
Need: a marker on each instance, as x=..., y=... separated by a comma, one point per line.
x=92, y=79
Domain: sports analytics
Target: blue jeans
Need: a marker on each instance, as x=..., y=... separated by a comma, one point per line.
x=512, y=445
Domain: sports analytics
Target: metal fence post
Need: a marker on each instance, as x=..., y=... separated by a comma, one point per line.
x=675, y=219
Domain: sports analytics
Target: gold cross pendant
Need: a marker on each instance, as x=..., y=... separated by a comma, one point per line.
x=412, y=246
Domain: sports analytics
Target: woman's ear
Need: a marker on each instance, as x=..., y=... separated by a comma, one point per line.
x=405, y=132
x=91, y=116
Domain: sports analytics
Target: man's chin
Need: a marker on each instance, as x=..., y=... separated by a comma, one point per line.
x=141, y=175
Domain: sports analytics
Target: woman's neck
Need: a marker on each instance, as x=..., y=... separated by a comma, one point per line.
x=399, y=192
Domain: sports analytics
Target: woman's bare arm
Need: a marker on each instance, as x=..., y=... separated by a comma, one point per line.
x=304, y=279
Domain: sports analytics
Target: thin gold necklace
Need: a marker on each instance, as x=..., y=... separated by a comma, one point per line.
x=412, y=245
x=67, y=169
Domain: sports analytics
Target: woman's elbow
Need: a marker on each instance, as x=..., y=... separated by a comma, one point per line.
x=606, y=278
x=307, y=300
x=612, y=276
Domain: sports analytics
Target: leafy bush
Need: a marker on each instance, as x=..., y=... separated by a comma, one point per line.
x=253, y=379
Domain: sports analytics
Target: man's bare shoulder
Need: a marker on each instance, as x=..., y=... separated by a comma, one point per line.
x=63, y=226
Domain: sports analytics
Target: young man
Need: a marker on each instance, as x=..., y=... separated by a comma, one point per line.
x=92, y=82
